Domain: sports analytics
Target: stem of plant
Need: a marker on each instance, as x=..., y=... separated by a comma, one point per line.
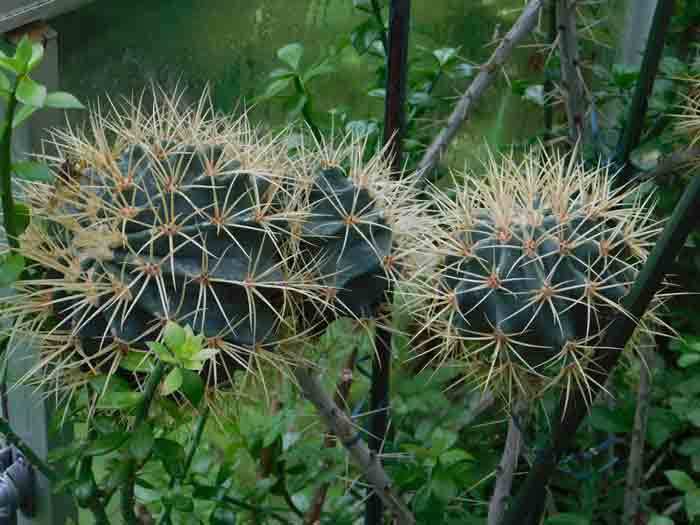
x=645, y=83
x=127, y=492
x=394, y=127
x=548, y=84
x=527, y=507
x=8, y=205
x=198, y=431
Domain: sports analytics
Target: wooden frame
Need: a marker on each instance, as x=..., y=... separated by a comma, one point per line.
x=17, y=13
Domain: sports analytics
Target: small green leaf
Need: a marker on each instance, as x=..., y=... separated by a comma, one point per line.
x=11, y=268
x=117, y=475
x=23, y=114
x=172, y=455
x=174, y=336
x=692, y=503
x=5, y=83
x=377, y=93
x=362, y=5
x=291, y=55
x=62, y=100
x=106, y=444
x=324, y=68
x=23, y=215
x=32, y=171
x=282, y=72
x=113, y=400
x=687, y=360
x=658, y=519
x=30, y=92
x=23, y=52
x=192, y=386
x=222, y=516
x=275, y=88
x=172, y=382
x=463, y=70
x=141, y=442
x=137, y=362
x=10, y=64
x=694, y=417
x=445, y=55
x=680, y=480
x=162, y=352
x=36, y=57
x=455, y=455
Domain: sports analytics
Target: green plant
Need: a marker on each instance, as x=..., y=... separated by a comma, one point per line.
x=530, y=264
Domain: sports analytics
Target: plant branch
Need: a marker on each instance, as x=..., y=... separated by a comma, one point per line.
x=685, y=216
x=671, y=164
x=635, y=462
x=506, y=467
x=367, y=461
x=650, y=65
x=342, y=392
x=127, y=491
x=522, y=27
x=174, y=481
x=570, y=68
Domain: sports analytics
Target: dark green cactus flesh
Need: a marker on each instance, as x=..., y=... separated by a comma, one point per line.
x=528, y=269
x=210, y=227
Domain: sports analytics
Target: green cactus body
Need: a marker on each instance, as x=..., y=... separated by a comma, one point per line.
x=194, y=218
x=532, y=265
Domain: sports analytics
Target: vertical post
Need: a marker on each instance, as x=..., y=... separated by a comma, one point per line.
x=29, y=414
x=394, y=126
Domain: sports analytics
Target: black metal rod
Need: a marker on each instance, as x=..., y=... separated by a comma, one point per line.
x=634, y=125
x=394, y=128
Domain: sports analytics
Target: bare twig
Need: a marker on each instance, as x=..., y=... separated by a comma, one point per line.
x=367, y=461
x=522, y=27
x=670, y=164
x=506, y=467
x=570, y=68
x=635, y=463
x=342, y=391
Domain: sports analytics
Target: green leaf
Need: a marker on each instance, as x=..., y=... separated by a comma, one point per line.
x=11, y=268
x=106, y=444
x=32, y=171
x=455, y=456
x=275, y=88
x=362, y=5
x=692, y=503
x=62, y=100
x=680, y=480
x=162, y=352
x=443, y=486
x=607, y=420
x=462, y=70
x=172, y=455
x=36, y=57
x=687, y=360
x=291, y=55
x=137, y=362
x=192, y=386
x=10, y=64
x=441, y=440
x=141, y=442
x=174, y=336
x=31, y=93
x=114, y=400
x=377, y=93
x=296, y=104
x=694, y=417
x=5, y=83
x=172, y=382
x=445, y=55
x=281, y=72
x=23, y=114
x=117, y=475
x=23, y=215
x=658, y=519
x=222, y=516
x=23, y=52
x=324, y=68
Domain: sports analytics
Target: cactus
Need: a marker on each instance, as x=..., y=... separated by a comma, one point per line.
x=528, y=270
x=185, y=215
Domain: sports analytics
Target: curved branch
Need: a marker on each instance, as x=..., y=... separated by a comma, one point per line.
x=341, y=425
x=522, y=27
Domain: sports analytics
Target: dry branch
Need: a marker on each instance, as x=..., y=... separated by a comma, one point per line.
x=572, y=81
x=522, y=27
x=506, y=468
x=367, y=461
x=635, y=463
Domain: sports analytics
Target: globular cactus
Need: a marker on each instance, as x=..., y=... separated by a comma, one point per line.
x=530, y=265
x=185, y=215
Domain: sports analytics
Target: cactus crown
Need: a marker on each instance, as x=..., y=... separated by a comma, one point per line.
x=185, y=215
x=528, y=270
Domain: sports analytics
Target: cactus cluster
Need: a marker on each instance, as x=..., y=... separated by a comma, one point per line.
x=529, y=267
x=186, y=215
